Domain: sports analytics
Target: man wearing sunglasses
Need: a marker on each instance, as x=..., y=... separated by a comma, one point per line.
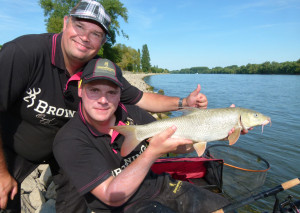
x=89, y=152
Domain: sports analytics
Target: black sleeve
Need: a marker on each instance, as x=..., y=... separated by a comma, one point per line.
x=139, y=115
x=14, y=72
x=130, y=94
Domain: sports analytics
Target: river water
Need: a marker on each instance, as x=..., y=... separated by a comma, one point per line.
x=277, y=96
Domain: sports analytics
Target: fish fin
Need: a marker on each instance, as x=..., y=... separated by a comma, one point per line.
x=200, y=148
x=130, y=141
x=234, y=136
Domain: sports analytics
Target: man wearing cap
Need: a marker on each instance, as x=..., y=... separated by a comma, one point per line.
x=88, y=151
x=38, y=95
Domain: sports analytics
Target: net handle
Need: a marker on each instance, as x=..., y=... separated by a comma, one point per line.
x=290, y=184
x=284, y=186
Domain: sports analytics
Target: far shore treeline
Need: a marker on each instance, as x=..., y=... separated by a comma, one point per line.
x=290, y=68
x=137, y=61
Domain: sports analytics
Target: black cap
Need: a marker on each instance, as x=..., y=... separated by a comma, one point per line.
x=102, y=69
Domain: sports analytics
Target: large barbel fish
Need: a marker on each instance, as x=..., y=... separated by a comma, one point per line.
x=199, y=125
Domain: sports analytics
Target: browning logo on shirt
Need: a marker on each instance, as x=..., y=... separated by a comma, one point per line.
x=45, y=112
x=32, y=93
x=128, y=161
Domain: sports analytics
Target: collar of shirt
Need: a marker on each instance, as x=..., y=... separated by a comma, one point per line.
x=57, y=57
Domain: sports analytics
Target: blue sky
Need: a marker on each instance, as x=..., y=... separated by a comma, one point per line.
x=188, y=33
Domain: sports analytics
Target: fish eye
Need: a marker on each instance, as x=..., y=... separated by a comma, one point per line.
x=255, y=115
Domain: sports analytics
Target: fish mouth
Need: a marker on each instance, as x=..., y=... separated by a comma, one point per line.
x=265, y=123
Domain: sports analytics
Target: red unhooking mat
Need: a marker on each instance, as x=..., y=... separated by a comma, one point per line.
x=201, y=171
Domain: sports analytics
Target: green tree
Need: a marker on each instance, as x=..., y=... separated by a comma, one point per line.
x=123, y=50
x=242, y=70
x=55, y=10
x=145, y=61
x=297, y=71
x=233, y=69
x=130, y=58
x=289, y=67
x=138, y=65
x=156, y=69
x=112, y=53
x=217, y=70
x=136, y=60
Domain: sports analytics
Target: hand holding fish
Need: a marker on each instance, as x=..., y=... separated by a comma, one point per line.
x=162, y=143
x=196, y=99
x=243, y=132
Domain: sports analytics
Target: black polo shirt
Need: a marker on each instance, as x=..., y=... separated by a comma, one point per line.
x=34, y=101
x=89, y=157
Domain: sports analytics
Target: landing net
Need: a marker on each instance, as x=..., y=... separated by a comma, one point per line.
x=244, y=172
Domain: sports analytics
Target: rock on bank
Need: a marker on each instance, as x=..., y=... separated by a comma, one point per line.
x=137, y=80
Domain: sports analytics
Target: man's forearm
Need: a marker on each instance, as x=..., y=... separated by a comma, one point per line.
x=117, y=190
x=8, y=185
x=3, y=167
x=154, y=102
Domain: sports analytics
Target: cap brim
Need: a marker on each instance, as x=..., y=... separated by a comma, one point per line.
x=87, y=80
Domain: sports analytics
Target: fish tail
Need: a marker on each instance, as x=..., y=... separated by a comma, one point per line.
x=130, y=141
